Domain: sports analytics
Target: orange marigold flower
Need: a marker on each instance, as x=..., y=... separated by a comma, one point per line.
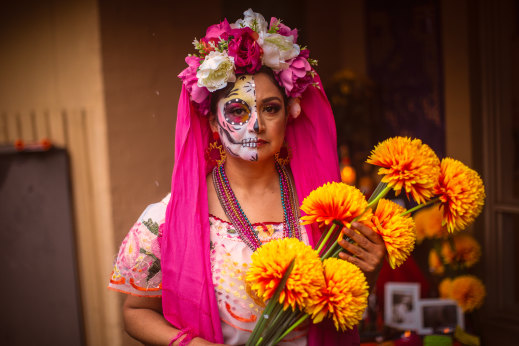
x=345, y=296
x=461, y=194
x=334, y=201
x=396, y=230
x=271, y=260
x=445, y=288
x=435, y=263
x=468, y=291
x=466, y=251
x=407, y=164
x=428, y=224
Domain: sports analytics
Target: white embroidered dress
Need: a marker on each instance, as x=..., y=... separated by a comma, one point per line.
x=137, y=270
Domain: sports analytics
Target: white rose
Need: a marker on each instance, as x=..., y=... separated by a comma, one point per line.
x=277, y=50
x=253, y=20
x=216, y=70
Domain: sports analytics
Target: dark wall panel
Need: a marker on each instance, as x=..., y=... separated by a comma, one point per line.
x=39, y=286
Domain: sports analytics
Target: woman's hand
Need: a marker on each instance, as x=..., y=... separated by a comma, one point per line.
x=367, y=253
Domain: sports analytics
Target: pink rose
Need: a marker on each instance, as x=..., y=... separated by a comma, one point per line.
x=199, y=95
x=283, y=29
x=217, y=31
x=245, y=50
x=296, y=78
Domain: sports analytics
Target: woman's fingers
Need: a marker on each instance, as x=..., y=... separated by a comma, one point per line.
x=368, y=232
x=357, y=250
x=368, y=249
x=352, y=259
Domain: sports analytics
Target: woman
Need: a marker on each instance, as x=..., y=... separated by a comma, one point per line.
x=251, y=92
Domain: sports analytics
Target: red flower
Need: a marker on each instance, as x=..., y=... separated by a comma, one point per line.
x=245, y=50
x=217, y=31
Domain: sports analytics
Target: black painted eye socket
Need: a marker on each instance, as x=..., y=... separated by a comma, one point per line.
x=236, y=112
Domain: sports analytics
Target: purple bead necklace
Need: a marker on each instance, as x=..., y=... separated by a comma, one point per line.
x=234, y=212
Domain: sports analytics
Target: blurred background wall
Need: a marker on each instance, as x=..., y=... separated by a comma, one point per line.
x=99, y=79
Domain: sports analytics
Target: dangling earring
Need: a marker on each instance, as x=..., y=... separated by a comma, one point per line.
x=215, y=154
x=284, y=155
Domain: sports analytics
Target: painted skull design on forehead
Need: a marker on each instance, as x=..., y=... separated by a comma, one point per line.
x=237, y=109
x=237, y=119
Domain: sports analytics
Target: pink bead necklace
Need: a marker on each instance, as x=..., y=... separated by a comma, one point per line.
x=241, y=223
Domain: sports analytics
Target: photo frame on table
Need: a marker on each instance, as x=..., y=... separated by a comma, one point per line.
x=401, y=305
x=439, y=316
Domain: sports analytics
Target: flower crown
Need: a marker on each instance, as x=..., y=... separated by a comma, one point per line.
x=244, y=47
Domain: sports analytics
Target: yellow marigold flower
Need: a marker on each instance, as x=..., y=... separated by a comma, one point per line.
x=466, y=251
x=428, y=224
x=435, y=263
x=407, y=164
x=445, y=288
x=345, y=296
x=468, y=291
x=271, y=260
x=396, y=230
x=334, y=201
x=461, y=193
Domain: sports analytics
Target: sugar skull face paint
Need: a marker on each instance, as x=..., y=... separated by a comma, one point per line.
x=251, y=118
x=238, y=120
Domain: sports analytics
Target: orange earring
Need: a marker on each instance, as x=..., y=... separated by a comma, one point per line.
x=215, y=154
x=284, y=155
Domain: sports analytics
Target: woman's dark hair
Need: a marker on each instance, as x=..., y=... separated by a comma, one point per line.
x=218, y=94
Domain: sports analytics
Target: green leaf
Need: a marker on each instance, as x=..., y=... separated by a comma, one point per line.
x=152, y=226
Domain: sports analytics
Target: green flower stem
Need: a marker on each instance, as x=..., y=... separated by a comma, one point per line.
x=380, y=187
x=287, y=318
x=326, y=238
x=292, y=327
x=330, y=251
x=278, y=316
x=379, y=196
x=336, y=253
x=420, y=206
x=274, y=318
x=334, y=248
x=255, y=338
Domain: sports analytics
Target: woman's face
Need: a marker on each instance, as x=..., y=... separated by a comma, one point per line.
x=251, y=119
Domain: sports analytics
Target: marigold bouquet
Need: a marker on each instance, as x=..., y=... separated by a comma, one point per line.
x=300, y=283
x=297, y=285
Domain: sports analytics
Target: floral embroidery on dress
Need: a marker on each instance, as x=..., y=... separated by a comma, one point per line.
x=137, y=269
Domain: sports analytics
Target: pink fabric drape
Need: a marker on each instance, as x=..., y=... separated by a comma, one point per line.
x=188, y=294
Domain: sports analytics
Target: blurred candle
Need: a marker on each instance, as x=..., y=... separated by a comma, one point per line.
x=409, y=339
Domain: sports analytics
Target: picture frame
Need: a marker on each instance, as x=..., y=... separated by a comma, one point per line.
x=439, y=316
x=401, y=305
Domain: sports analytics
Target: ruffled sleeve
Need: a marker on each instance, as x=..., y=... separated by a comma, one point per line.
x=137, y=268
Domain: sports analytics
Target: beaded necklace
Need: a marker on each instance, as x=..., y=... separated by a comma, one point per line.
x=241, y=223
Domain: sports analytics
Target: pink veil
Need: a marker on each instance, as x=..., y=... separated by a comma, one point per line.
x=188, y=295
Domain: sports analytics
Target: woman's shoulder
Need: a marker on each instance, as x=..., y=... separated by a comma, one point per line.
x=137, y=268
x=156, y=211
